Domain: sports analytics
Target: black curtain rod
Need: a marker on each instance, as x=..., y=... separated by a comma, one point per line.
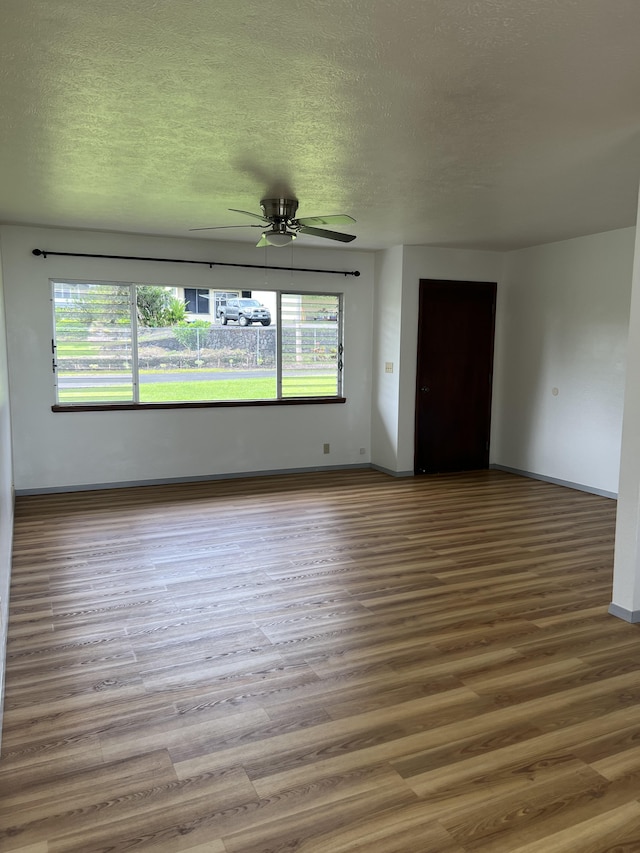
x=44, y=253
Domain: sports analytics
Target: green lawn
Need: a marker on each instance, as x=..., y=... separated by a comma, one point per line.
x=212, y=389
x=235, y=389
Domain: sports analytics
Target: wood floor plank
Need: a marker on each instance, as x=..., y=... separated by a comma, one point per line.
x=299, y=828
x=395, y=830
x=616, y=830
x=322, y=663
x=35, y=801
x=157, y=817
x=541, y=809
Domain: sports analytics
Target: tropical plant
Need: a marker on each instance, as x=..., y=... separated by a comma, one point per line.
x=157, y=306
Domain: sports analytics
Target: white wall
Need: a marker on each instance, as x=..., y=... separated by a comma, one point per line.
x=626, y=571
x=562, y=323
x=59, y=450
x=386, y=350
x=6, y=495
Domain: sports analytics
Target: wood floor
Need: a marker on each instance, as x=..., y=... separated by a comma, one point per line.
x=335, y=662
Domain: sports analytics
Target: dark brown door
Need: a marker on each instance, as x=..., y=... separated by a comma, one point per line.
x=455, y=367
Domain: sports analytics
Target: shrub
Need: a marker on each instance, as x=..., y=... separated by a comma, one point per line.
x=192, y=335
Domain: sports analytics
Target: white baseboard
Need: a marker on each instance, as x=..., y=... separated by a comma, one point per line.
x=622, y=613
x=168, y=481
x=579, y=486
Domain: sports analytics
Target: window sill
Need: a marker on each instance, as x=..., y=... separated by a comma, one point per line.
x=134, y=407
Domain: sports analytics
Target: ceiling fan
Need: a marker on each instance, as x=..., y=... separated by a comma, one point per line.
x=279, y=215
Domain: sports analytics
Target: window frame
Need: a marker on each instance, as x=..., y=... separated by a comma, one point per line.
x=339, y=398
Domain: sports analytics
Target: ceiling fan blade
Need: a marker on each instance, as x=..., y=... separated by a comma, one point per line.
x=218, y=227
x=330, y=235
x=261, y=242
x=247, y=213
x=332, y=219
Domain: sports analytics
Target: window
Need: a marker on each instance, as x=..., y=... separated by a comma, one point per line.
x=117, y=343
x=196, y=300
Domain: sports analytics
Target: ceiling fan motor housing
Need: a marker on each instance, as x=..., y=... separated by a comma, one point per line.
x=279, y=209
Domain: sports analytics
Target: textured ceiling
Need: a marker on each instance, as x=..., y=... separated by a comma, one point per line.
x=491, y=124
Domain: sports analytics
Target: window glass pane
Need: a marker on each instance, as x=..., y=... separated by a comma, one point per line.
x=93, y=343
x=196, y=300
x=202, y=301
x=311, y=362
x=190, y=361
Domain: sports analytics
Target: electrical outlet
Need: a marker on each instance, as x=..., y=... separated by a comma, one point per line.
x=326, y=448
x=388, y=367
x=362, y=451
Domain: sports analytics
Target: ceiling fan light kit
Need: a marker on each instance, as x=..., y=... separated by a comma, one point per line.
x=280, y=213
x=278, y=238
